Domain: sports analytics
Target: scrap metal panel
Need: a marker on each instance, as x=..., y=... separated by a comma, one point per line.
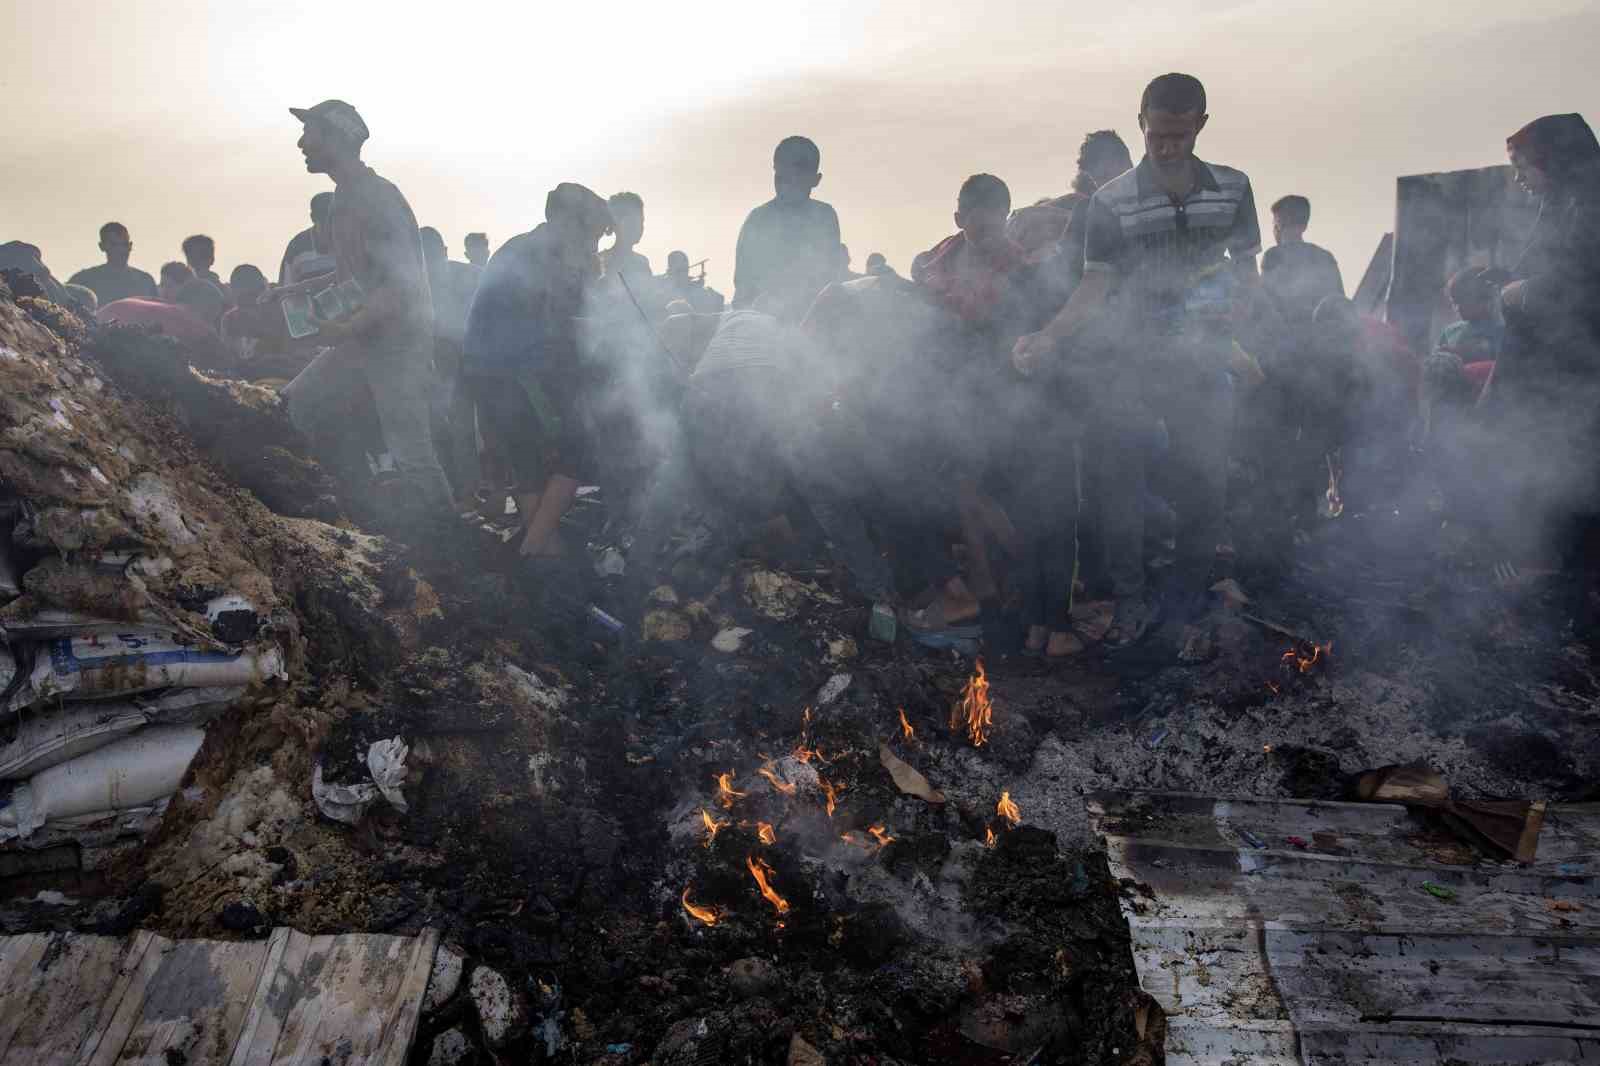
x=1296, y=932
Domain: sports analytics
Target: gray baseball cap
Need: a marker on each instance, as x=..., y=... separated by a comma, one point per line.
x=337, y=114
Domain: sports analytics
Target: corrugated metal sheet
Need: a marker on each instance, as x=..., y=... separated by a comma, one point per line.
x=71, y=1000
x=1336, y=953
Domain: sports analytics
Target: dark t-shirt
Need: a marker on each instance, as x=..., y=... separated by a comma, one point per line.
x=304, y=241
x=1299, y=276
x=788, y=250
x=375, y=241
x=523, y=315
x=111, y=283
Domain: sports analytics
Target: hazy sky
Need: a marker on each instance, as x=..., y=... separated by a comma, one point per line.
x=169, y=115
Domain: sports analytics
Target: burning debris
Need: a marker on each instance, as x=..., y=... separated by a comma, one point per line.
x=974, y=713
x=1305, y=656
x=727, y=795
x=713, y=825
x=703, y=915
x=1008, y=810
x=763, y=874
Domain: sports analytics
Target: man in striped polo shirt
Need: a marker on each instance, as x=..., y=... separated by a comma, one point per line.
x=1169, y=265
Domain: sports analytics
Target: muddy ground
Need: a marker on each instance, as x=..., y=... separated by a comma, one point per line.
x=558, y=776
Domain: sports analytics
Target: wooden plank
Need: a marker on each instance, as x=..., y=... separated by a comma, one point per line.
x=1275, y=974
x=1377, y=832
x=122, y=1003
x=1283, y=1044
x=1340, y=955
x=276, y=987
x=19, y=956
x=1211, y=884
x=50, y=1008
x=364, y=1004
x=193, y=1003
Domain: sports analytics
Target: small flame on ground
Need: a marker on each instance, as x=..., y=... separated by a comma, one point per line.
x=1008, y=810
x=726, y=793
x=830, y=793
x=880, y=834
x=1305, y=661
x=905, y=726
x=778, y=783
x=974, y=713
x=988, y=836
x=713, y=825
x=766, y=833
x=762, y=873
x=703, y=915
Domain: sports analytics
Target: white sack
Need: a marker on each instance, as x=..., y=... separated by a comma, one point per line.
x=51, y=738
x=132, y=772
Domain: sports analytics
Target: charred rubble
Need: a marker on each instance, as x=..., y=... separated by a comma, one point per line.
x=735, y=831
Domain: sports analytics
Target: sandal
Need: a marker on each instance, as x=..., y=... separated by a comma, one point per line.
x=1132, y=621
x=931, y=619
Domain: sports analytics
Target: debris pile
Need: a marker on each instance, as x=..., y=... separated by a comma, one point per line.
x=132, y=611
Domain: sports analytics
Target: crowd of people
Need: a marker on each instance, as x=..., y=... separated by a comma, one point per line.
x=1050, y=396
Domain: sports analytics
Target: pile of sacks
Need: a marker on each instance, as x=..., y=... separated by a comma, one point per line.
x=131, y=611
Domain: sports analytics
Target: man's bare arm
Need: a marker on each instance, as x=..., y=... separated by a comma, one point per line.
x=1088, y=301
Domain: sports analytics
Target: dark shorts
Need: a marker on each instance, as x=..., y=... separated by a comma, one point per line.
x=535, y=433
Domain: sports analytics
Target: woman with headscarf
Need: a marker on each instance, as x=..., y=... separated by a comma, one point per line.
x=1542, y=399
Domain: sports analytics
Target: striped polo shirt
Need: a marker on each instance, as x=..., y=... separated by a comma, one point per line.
x=1171, y=254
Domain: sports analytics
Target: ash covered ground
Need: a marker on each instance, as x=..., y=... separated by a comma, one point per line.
x=561, y=782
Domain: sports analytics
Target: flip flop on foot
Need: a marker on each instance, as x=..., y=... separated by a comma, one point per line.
x=1133, y=618
x=937, y=618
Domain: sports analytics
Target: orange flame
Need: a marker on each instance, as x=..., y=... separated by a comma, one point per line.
x=761, y=872
x=830, y=793
x=766, y=833
x=777, y=782
x=905, y=726
x=713, y=826
x=974, y=713
x=1305, y=661
x=880, y=834
x=703, y=915
x=1008, y=810
x=726, y=793
x=988, y=837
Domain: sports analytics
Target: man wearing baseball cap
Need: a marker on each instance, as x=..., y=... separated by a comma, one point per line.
x=386, y=344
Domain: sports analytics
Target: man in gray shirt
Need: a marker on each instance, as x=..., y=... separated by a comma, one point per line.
x=386, y=344
x=115, y=279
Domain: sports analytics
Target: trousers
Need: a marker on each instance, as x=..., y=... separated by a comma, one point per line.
x=1198, y=412
x=326, y=400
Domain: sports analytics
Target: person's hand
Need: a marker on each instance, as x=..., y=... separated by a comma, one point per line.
x=1514, y=297
x=1029, y=352
x=332, y=330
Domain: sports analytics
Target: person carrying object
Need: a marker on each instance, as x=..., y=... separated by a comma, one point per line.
x=384, y=347
x=522, y=365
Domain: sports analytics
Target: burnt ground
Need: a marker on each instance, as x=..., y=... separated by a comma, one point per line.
x=558, y=778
